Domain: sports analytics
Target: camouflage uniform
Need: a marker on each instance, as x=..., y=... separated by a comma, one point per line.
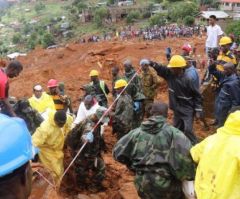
x=159, y=155
x=89, y=166
x=32, y=118
x=150, y=82
x=123, y=115
x=135, y=90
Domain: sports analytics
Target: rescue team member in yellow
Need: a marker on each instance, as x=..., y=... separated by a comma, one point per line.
x=49, y=138
x=226, y=56
x=40, y=100
x=218, y=159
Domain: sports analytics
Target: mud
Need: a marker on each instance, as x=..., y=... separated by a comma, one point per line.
x=72, y=64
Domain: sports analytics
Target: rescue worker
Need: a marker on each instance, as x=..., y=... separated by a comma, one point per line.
x=228, y=93
x=49, y=138
x=135, y=90
x=61, y=102
x=100, y=89
x=61, y=87
x=115, y=77
x=32, y=118
x=123, y=113
x=88, y=107
x=159, y=154
x=89, y=166
x=218, y=162
x=184, y=98
x=226, y=56
x=150, y=82
x=16, y=151
x=11, y=71
x=40, y=100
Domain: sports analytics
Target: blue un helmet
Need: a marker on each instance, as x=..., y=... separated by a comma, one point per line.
x=16, y=147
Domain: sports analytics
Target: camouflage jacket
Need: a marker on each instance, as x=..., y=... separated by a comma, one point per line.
x=134, y=89
x=150, y=82
x=75, y=142
x=156, y=147
x=123, y=115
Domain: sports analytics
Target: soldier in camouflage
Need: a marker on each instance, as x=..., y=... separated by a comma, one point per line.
x=150, y=82
x=135, y=90
x=159, y=155
x=123, y=114
x=89, y=166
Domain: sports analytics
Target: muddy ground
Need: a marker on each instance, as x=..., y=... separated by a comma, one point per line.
x=71, y=64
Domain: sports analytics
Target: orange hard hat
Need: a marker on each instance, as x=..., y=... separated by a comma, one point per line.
x=187, y=48
x=52, y=83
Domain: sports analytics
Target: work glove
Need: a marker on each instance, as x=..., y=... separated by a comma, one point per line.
x=136, y=106
x=188, y=189
x=89, y=137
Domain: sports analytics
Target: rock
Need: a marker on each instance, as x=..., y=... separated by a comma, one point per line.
x=128, y=191
x=83, y=196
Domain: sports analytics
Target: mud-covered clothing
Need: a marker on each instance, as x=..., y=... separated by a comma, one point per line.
x=100, y=90
x=135, y=90
x=159, y=155
x=184, y=99
x=61, y=102
x=90, y=161
x=123, y=116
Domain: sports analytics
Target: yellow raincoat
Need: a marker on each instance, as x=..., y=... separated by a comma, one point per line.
x=49, y=138
x=41, y=105
x=218, y=158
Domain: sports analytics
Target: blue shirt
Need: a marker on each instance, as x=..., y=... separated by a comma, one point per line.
x=192, y=74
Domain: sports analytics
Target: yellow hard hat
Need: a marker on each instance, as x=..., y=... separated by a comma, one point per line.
x=120, y=84
x=94, y=73
x=177, y=61
x=225, y=40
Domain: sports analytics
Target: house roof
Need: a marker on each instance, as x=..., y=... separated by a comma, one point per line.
x=218, y=14
x=230, y=1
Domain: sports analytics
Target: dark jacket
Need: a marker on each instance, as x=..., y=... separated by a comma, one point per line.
x=184, y=97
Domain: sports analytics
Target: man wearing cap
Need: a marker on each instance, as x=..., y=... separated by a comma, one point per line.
x=150, y=82
x=135, y=90
x=40, y=100
x=100, y=89
x=89, y=166
x=184, y=98
x=16, y=152
x=50, y=138
x=62, y=102
x=11, y=71
x=228, y=92
x=123, y=113
x=159, y=155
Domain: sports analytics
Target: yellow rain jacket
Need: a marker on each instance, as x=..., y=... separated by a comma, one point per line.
x=41, y=105
x=218, y=158
x=49, y=138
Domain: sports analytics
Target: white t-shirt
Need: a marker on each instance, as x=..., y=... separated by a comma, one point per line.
x=213, y=32
x=83, y=113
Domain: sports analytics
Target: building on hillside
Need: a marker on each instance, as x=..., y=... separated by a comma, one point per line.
x=230, y=5
x=223, y=17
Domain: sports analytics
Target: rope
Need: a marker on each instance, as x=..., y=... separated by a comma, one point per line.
x=51, y=184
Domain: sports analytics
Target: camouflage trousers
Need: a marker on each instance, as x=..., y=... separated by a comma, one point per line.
x=89, y=170
x=154, y=186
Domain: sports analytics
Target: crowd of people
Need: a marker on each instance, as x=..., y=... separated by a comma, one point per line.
x=168, y=160
x=150, y=33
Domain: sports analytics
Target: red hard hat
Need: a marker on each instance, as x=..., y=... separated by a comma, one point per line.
x=52, y=83
x=187, y=47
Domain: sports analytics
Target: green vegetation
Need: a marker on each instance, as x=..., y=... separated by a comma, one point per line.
x=158, y=19
x=99, y=15
x=133, y=16
x=234, y=28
